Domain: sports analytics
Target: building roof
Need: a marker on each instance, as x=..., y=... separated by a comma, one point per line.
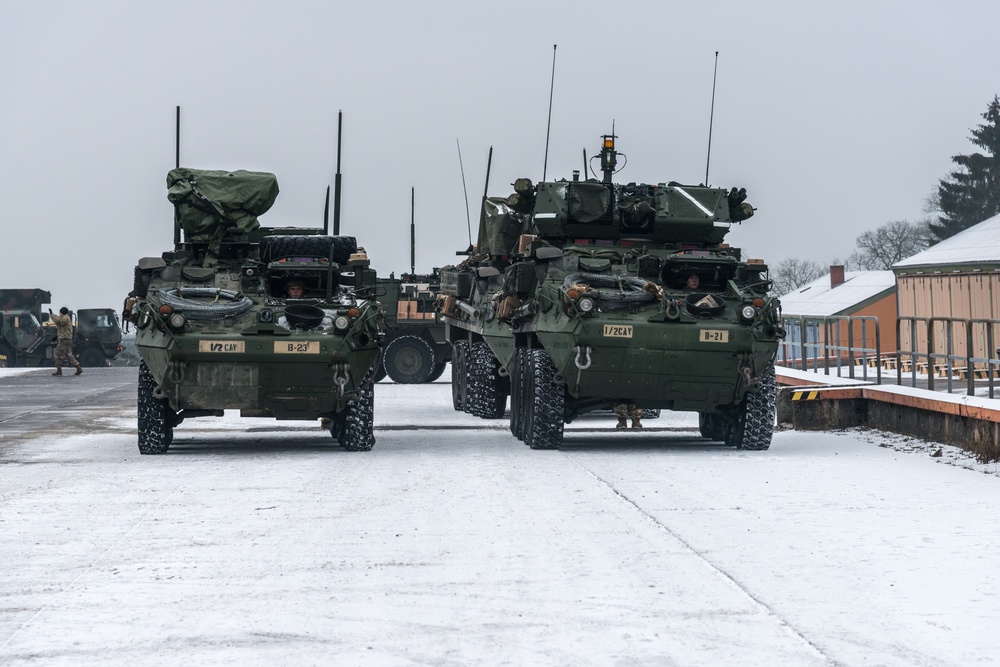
x=818, y=299
x=979, y=244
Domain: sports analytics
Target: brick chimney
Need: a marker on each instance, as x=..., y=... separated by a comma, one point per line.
x=836, y=275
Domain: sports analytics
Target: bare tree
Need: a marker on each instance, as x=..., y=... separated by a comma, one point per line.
x=791, y=274
x=880, y=248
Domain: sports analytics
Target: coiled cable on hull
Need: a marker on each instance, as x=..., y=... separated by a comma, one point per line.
x=236, y=303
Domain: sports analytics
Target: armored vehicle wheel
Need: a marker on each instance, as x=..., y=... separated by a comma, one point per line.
x=437, y=372
x=545, y=404
x=275, y=247
x=651, y=414
x=92, y=358
x=754, y=424
x=712, y=426
x=458, y=374
x=155, y=415
x=409, y=360
x=489, y=390
x=355, y=430
x=517, y=394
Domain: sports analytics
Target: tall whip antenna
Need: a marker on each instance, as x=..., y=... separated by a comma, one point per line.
x=711, y=118
x=336, y=178
x=468, y=218
x=552, y=85
x=413, y=232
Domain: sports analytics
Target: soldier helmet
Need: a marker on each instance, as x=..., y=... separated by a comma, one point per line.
x=64, y=311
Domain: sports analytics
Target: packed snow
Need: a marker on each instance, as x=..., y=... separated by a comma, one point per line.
x=451, y=543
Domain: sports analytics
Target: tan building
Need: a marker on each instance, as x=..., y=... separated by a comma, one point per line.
x=954, y=285
x=838, y=310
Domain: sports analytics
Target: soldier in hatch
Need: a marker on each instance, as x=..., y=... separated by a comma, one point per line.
x=64, y=340
x=294, y=289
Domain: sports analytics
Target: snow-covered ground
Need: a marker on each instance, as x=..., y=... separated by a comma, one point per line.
x=451, y=543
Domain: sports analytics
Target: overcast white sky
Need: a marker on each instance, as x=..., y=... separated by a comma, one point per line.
x=837, y=119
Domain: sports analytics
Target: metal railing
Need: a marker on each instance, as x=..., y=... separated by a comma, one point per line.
x=835, y=349
x=951, y=361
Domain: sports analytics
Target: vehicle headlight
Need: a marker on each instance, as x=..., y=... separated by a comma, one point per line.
x=176, y=321
x=341, y=322
x=585, y=304
x=748, y=312
x=265, y=316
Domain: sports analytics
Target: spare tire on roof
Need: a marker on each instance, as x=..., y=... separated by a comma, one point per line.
x=273, y=248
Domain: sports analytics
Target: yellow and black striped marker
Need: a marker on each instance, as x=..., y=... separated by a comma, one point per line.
x=805, y=395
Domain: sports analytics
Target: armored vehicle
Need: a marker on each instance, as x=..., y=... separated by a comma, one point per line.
x=24, y=341
x=415, y=350
x=273, y=322
x=588, y=295
x=98, y=336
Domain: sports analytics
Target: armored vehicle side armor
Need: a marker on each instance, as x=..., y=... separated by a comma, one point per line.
x=580, y=297
x=273, y=322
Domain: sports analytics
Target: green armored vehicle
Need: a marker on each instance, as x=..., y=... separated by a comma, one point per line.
x=416, y=350
x=591, y=295
x=273, y=322
x=24, y=340
x=97, y=338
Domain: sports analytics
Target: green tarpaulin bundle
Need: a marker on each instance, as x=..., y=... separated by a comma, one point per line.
x=211, y=203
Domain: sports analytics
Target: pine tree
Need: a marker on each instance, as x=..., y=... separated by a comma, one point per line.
x=971, y=193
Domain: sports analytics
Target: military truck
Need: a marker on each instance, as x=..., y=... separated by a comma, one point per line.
x=578, y=299
x=273, y=322
x=97, y=338
x=24, y=341
x=415, y=347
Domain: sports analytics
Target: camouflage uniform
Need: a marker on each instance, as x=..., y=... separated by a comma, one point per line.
x=625, y=410
x=64, y=343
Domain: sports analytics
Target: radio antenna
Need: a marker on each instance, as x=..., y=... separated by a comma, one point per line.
x=336, y=178
x=711, y=118
x=552, y=85
x=413, y=232
x=468, y=218
x=177, y=140
x=486, y=189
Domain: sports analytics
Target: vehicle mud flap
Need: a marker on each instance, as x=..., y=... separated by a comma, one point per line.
x=458, y=388
x=517, y=394
x=545, y=403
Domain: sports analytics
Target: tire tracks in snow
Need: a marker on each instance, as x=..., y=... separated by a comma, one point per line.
x=729, y=578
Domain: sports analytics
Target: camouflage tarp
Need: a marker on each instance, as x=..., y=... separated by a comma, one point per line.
x=208, y=204
x=588, y=201
x=500, y=229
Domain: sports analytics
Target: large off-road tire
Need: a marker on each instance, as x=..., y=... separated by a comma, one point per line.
x=273, y=248
x=651, y=413
x=154, y=416
x=458, y=352
x=437, y=372
x=409, y=360
x=517, y=380
x=754, y=423
x=91, y=358
x=354, y=428
x=489, y=390
x=545, y=404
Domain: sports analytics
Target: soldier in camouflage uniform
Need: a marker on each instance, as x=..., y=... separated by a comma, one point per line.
x=64, y=340
x=625, y=410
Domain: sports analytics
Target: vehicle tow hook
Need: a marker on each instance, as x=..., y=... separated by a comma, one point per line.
x=673, y=309
x=340, y=378
x=581, y=366
x=751, y=381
